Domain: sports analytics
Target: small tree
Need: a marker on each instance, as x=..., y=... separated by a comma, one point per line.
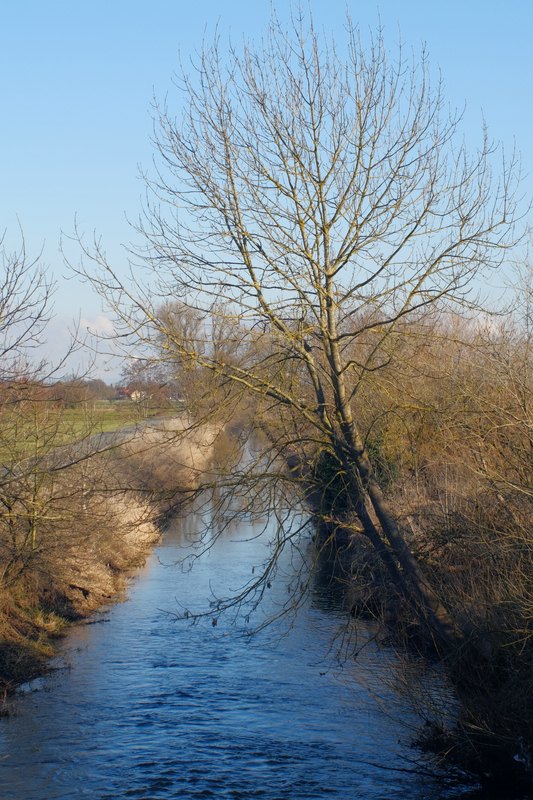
x=33, y=429
x=310, y=199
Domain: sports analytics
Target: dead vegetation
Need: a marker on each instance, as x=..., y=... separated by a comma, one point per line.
x=450, y=433
x=70, y=533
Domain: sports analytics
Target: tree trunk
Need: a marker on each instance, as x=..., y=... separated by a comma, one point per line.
x=414, y=581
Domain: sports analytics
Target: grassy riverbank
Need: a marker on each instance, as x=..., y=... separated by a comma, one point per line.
x=70, y=535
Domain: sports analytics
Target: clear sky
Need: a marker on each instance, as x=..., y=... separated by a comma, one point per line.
x=77, y=79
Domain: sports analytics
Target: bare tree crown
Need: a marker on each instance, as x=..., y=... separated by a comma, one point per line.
x=298, y=181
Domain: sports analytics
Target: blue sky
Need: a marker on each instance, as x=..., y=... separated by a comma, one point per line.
x=77, y=79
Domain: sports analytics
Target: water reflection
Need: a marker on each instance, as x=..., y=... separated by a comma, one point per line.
x=153, y=707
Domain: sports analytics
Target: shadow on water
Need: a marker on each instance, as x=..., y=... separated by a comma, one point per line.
x=149, y=706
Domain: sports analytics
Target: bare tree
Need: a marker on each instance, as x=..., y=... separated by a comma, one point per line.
x=310, y=197
x=71, y=521
x=25, y=294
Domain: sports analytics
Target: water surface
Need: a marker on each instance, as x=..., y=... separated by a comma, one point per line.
x=145, y=706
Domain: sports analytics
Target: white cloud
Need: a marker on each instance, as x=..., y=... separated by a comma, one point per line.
x=101, y=325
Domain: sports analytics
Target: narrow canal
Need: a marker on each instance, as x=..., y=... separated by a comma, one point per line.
x=144, y=706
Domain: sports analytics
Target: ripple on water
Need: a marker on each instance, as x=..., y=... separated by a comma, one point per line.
x=154, y=709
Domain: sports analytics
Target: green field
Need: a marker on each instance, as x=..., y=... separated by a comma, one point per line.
x=32, y=430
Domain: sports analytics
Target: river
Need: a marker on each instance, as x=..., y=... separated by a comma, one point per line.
x=142, y=705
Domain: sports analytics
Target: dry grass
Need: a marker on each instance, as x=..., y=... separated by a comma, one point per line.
x=68, y=538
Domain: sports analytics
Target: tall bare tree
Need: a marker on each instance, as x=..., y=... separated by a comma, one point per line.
x=311, y=195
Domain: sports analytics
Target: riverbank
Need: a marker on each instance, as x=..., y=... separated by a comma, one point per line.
x=488, y=738
x=73, y=531
x=487, y=664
